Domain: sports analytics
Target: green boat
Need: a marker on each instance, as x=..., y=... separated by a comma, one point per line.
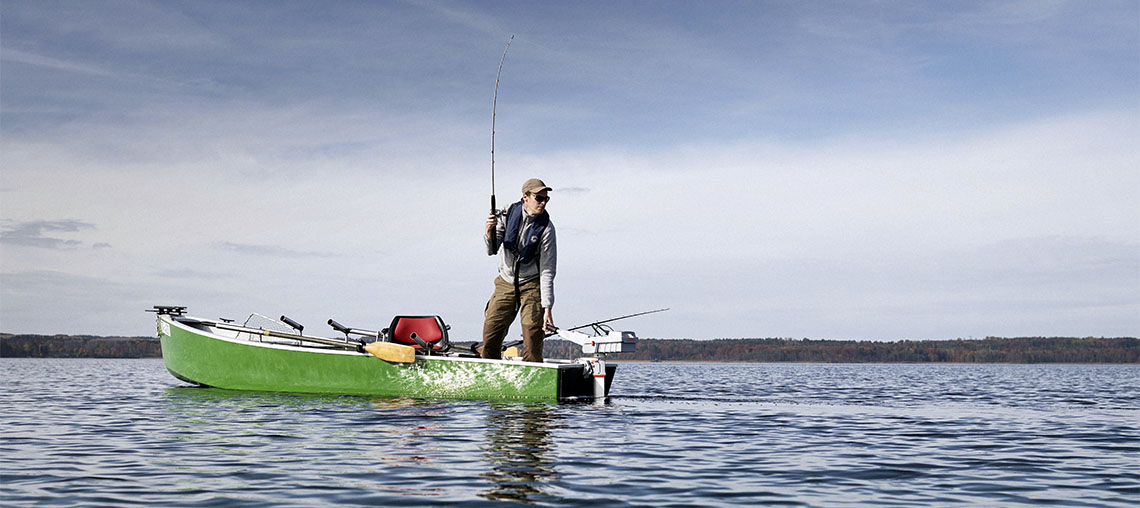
x=411, y=358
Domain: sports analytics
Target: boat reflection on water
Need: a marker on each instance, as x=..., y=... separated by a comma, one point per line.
x=396, y=447
x=519, y=450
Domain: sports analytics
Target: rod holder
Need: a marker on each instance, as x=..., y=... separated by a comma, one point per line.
x=296, y=326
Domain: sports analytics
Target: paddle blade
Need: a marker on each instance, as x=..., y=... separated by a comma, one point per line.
x=390, y=352
x=512, y=352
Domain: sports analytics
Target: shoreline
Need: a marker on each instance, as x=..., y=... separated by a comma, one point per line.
x=990, y=350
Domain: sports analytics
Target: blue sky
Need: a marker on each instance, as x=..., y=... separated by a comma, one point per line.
x=851, y=170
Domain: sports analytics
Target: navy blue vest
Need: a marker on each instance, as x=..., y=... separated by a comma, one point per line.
x=528, y=251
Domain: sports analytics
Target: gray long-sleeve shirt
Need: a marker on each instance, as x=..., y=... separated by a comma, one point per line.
x=547, y=257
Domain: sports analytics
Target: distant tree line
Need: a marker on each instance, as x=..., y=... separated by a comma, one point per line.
x=988, y=350
x=77, y=346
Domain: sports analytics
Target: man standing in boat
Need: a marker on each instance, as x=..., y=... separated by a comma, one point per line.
x=528, y=257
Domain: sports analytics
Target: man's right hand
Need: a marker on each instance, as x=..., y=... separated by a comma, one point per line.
x=492, y=222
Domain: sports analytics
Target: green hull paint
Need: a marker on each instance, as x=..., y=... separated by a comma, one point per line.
x=198, y=356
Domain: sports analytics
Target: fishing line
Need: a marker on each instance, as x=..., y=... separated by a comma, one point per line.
x=494, y=105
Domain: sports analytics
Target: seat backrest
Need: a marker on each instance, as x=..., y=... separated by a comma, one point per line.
x=430, y=329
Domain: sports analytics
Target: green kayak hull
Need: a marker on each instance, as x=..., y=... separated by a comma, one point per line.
x=208, y=357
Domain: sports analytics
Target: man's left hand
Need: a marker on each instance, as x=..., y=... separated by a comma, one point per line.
x=547, y=318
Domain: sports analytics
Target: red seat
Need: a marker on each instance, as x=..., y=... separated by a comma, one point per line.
x=429, y=329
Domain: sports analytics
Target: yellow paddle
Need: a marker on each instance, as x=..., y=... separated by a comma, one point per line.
x=391, y=352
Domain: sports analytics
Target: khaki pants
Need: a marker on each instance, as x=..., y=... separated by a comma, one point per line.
x=500, y=314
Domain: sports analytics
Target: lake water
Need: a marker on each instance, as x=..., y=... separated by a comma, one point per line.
x=124, y=432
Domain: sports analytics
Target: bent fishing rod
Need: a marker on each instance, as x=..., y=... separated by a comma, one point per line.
x=494, y=105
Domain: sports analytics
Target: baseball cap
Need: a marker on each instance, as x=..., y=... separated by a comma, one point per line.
x=534, y=186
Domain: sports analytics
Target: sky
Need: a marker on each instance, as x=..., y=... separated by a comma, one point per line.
x=878, y=170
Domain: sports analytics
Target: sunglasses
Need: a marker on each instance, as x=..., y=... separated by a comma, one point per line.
x=540, y=199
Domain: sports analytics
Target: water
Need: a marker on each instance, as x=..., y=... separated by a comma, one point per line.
x=124, y=432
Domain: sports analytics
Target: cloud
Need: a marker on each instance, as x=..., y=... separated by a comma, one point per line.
x=57, y=300
x=803, y=170
x=269, y=250
x=484, y=24
x=24, y=57
x=1027, y=286
x=190, y=274
x=573, y=191
x=33, y=234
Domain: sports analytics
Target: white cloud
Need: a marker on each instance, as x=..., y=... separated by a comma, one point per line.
x=752, y=187
x=743, y=239
x=24, y=57
x=35, y=234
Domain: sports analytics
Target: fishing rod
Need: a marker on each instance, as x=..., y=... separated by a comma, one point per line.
x=597, y=324
x=494, y=105
x=598, y=328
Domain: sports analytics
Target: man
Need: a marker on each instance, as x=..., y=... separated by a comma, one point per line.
x=528, y=256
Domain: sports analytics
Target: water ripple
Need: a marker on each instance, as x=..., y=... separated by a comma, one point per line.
x=672, y=435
